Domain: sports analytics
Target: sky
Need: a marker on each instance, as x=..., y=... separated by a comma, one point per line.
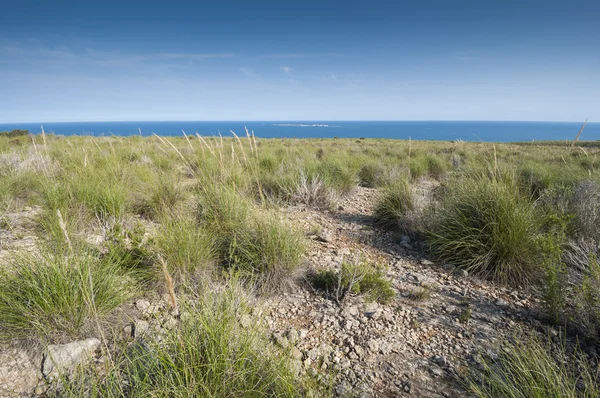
x=299, y=60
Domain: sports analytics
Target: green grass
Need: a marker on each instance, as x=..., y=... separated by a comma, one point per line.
x=393, y=207
x=46, y=295
x=487, y=226
x=184, y=246
x=532, y=368
x=361, y=278
x=208, y=355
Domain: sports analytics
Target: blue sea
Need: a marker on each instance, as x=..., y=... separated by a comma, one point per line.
x=416, y=130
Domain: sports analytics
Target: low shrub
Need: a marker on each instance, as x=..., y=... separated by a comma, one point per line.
x=257, y=244
x=585, y=204
x=267, y=248
x=487, y=226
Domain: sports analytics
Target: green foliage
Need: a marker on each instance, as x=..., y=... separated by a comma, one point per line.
x=48, y=295
x=14, y=133
x=359, y=278
x=487, y=226
x=531, y=368
x=257, y=244
x=184, y=246
x=208, y=355
x=394, y=205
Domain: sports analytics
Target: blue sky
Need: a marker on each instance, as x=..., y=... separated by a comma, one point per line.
x=306, y=60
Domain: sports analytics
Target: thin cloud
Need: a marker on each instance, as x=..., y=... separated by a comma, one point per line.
x=283, y=56
x=287, y=70
x=248, y=72
x=194, y=57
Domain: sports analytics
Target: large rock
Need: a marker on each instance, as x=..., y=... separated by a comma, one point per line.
x=65, y=357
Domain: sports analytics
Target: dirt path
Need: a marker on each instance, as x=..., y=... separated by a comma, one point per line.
x=408, y=347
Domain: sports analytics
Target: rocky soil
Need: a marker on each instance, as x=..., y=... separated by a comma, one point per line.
x=419, y=344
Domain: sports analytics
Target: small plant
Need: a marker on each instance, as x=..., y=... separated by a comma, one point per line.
x=184, y=246
x=421, y=294
x=393, y=207
x=356, y=279
x=465, y=315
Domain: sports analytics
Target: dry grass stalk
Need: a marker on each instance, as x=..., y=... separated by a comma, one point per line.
x=63, y=227
x=495, y=162
x=112, y=148
x=170, y=287
x=183, y=159
x=409, y=146
x=579, y=133
x=241, y=146
x=249, y=139
x=188, y=140
x=210, y=148
x=255, y=146
x=44, y=137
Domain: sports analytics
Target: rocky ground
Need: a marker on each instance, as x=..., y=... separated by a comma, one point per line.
x=417, y=345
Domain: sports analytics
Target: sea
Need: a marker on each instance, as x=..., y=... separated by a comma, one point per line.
x=487, y=131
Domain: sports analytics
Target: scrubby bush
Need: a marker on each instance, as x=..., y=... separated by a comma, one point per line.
x=266, y=247
x=371, y=175
x=585, y=204
x=486, y=225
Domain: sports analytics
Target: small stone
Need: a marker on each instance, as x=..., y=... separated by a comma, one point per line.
x=142, y=305
x=436, y=372
x=461, y=273
x=373, y=345
x=295, y=353
x=424, y=261
x=293, y=336
x=282, y=341
x=140, y=328
x=439, y=360
x=170, y=323
x=246, y=321
x=324, y=236
x=64, y=358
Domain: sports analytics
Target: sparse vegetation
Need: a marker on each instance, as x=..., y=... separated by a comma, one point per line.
x=111, y=210
x=209, y=354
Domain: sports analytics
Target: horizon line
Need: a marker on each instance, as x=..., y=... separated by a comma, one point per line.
x=299, y=120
